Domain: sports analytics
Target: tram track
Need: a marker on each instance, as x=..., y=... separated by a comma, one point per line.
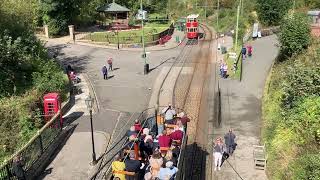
x=117, y=143
x=188, y=94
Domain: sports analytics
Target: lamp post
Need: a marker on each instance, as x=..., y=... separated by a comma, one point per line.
x=118, y=37
x=144, y=56
x=89, y=103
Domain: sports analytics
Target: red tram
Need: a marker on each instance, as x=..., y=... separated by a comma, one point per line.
x=192, y=26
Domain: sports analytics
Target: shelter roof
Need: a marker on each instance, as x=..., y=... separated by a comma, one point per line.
x=193, y=16
x=112, y=8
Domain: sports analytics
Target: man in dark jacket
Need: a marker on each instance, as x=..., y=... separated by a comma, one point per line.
x=132, y=165
x=229, y=141
x=17, y=168
x=105, y=72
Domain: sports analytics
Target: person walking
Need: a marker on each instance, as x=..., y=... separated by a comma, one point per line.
x=105, y=72
x=230, y=143
x=244, y=52
x=249, y=48
x=110, y=63
x=218, y=153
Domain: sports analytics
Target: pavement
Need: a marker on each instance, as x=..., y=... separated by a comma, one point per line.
x=241, y=111
x=120, y=99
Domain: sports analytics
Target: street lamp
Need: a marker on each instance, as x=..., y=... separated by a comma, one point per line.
x=89, y=103
x=144, y=55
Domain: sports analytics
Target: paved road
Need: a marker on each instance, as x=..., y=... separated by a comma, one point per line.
x=241, y=110
x=121, y=99
x=128, y=89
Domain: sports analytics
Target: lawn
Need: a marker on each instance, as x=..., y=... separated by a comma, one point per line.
x=234, y=74
x=151, y=32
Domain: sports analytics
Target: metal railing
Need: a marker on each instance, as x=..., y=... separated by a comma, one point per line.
x=101, y=37
x=147, y=118
x=36, y=146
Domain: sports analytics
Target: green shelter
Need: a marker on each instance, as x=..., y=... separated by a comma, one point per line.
x=118, y=14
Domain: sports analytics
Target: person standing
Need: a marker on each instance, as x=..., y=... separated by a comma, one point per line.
x=169, y=114
x=105, y=72
x=218, y=153
x=229, y=140
x=110, y=63
x=225, y=70
x=17, y=168
x=221, y=68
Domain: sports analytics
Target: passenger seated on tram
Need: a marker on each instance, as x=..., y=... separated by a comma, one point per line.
x=183, y=118
x=164, y=139
x=137, y=126
x=132, y=131
x=169, y=157
x=168, y=171
x=132, y=165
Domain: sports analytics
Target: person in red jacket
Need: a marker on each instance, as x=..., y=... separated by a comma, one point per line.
x=164, y=139
x=137, y=126
x=177, y=135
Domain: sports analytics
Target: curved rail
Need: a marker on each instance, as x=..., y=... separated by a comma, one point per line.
x=180, y=60
x=195, y=153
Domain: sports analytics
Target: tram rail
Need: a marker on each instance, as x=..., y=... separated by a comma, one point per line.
x=119, y=143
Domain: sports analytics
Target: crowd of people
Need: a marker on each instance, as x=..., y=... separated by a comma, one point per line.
x=152, y=155
x=245, y=52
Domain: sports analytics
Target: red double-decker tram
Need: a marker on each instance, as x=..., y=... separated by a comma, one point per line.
x=192, y=26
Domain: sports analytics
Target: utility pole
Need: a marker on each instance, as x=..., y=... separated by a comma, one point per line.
x=241, y=3
x=205, y=11
x=237, y=28
x=218, y=8
x=144, y=56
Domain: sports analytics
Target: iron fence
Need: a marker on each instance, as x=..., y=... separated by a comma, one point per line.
x=114, y=38
x=33, y=150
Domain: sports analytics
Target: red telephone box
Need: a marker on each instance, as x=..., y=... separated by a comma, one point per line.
x=52, y=105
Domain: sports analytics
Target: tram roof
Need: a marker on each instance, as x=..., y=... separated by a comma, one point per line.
x=193, y=16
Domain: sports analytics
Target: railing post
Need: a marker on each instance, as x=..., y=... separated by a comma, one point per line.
x=8, y=172
x=41, y=143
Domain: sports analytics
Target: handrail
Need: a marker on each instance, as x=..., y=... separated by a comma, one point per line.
x=31, y=140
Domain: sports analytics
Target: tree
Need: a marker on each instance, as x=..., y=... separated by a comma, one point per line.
x=294, y=34
x=58, y=14
x=271, y=12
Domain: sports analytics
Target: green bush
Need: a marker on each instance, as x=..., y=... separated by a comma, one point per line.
x=307, y=166
x=271, y=12
x=294, y=34
x=291, y=113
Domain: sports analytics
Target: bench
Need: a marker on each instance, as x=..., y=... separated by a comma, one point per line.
x=260, y=157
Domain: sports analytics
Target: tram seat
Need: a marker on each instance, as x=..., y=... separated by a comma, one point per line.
x=171, y=126
x=125, y=173
x=160, y=119
x=164, y=148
